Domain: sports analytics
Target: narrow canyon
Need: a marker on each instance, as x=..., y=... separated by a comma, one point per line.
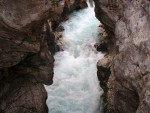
x=74, y=56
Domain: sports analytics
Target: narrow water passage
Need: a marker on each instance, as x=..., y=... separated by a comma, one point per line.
x=75, y=88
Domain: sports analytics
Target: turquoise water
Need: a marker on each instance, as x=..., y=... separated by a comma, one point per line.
x=75, y=88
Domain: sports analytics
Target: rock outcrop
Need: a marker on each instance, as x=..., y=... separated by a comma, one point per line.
x=106, y=44
x=128, y=87
x=29, y=37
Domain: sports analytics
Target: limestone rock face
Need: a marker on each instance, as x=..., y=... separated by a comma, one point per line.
x=21, y=85
x=28, y=42
x=22, y=94
x=19, y=24
x=26, y=54
x=128, y=84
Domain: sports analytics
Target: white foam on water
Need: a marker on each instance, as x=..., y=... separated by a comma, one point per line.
x=76, y=88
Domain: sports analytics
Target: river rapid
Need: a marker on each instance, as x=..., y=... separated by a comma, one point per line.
x=76, y=88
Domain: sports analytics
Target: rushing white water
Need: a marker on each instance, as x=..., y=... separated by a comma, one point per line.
x=75, y=88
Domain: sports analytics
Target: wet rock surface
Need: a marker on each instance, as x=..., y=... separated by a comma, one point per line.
x=106, y=44
x=128, y=84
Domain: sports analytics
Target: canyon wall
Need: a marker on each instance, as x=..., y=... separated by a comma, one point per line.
x=126, y=80
x=27, y=46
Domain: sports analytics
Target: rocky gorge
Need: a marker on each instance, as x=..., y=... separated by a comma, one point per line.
x=29, y=38
x=27, y=46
